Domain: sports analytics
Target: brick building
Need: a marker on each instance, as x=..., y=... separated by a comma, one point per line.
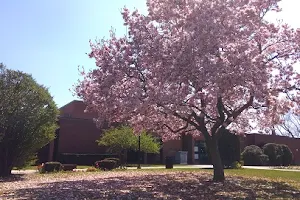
x=77, y=135
x=261, y=139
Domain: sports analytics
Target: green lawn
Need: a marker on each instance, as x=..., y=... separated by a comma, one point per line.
x=87, y=166
x=83, y=166
x=289, y=177
x=155, y=183
x=130, y=165
x=274, y=175
x=261, y=173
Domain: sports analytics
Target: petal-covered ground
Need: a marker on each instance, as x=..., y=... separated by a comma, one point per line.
x=140, y=185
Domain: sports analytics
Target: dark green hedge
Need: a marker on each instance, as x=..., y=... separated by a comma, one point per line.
x=83, y=159
x=254, y=156
x=279, y=154
x=106, y=164
x=51, y=167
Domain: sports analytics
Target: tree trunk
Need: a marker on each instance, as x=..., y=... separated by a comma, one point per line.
x=5, y=163
x=125, y=158
x=145, y=158
x=5, y=170
x=216, y=160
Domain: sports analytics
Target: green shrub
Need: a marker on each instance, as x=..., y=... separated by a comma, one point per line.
x=105, y=164
x=287, y=157
x=242, y=162
x=41, y=168
x=236, y=165
x=253, y=155
x=279, y=154
x=274, y=152
x=50, y=167
x=83, y=159
x=229, y=148
x=69, y=167
x=264, y=160
x=27, y=161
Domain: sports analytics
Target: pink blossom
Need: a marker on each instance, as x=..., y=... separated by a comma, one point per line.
x=195, y=66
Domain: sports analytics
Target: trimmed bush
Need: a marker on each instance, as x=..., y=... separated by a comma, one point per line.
x=274, y=152
x=51, y=167
x=229, y=148
x=105, y=164
x=279, y=154
x=117, y=160
x=264, y=160
x=69, y=167
x=236, y=165
x=253, y=155
x=83, y=159
x=287, y=155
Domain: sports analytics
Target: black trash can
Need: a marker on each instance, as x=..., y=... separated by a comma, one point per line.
x=169, y=162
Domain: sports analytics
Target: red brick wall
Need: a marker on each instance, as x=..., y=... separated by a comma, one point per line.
x=75, y=109
x=170, y=148
x=79, y=136
x=188, y=144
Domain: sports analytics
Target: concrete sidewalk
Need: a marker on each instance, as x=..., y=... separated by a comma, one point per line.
x=27, y=171
x=177, y=167
x=271, y=168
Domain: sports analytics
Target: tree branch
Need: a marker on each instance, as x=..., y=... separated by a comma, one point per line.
x=185, y=119
x=221, y=119
x=201, y=111
x=180, y=130
x=237, y=112
x=188, y=119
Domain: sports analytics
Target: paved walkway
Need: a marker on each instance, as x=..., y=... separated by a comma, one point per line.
x=271, y=168
x=175, y=167
x=27, y=171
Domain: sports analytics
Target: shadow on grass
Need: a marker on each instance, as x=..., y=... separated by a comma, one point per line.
x=12, y=178
x=168, y=186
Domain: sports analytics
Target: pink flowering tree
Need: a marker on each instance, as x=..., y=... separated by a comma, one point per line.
x=195, y=67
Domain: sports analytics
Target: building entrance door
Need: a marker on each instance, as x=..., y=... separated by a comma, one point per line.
x=200, y=153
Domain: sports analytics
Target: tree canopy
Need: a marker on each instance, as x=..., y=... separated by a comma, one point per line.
x=27, y=118
x=196, y=66
x=290, y=125
x=123, y=138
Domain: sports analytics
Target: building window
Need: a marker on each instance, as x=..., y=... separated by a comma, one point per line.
x=196, y=149
x=200, y=152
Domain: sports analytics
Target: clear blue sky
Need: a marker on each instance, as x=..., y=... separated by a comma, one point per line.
x=49, y=38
